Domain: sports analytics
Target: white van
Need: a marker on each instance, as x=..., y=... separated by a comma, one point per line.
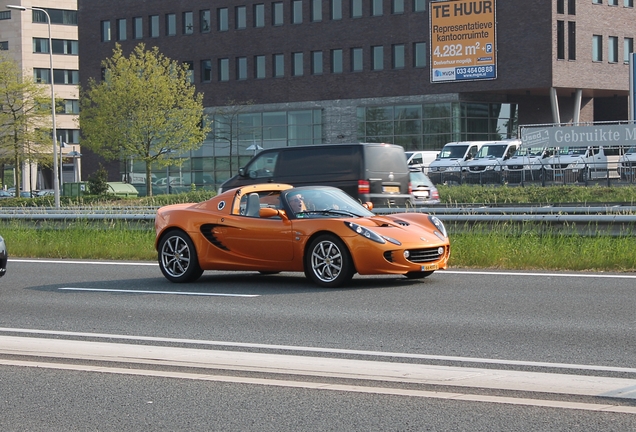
x=627, y=165
x=569, y=164
x=420, y=160
x=487, y=165
x=526, y=165
x=451, y=161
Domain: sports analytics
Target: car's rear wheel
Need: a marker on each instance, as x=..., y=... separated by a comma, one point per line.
x=178, y=259
x=418, y=274
x=328, y=262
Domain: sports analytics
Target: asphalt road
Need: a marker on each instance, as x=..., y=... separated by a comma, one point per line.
x=114, y=346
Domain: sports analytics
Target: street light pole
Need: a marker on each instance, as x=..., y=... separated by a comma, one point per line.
x=56, y=183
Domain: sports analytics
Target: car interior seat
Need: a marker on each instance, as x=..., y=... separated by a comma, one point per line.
x=253, y=205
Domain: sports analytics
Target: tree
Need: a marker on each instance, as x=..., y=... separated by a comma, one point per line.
x=145, y=108
x=98, y=182
x=230, y=129
x=25, y=119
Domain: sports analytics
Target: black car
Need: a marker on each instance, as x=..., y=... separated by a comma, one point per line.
x=372, y=172
x=3, y=257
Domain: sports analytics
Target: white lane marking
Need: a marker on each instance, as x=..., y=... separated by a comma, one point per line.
x=158, y=292
x=439, y=272
x=593, y=368
x=324, y=367
x=333, y=387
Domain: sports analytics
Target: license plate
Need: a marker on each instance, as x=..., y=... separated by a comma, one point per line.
x=429, y=267
x=391, y=189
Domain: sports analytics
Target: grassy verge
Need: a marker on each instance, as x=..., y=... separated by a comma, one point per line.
x=500, y=248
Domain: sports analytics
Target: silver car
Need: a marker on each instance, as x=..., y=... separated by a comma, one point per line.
x=423, y=191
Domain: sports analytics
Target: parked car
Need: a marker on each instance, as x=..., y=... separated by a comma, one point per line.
x=627, y=165
x=526, y=165
x=420, y=159
x=3, y=257
x=372, y=172
x=318, y=230
x=450, y=164
x=583, y=163
x=423, y=190
x=6, y=194
x=487, y=166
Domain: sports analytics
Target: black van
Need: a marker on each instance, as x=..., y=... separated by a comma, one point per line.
x=367, y=171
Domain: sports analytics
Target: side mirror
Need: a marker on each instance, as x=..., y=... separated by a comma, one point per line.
x=241, y=172
x=368, y=205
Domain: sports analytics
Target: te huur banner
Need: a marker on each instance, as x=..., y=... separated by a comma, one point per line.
x=463, y=40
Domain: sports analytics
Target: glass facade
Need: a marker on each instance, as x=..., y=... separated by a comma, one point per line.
x=430, y=126
x=231, y=143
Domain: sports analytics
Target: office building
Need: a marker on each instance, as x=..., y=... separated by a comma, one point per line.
x=329, y=71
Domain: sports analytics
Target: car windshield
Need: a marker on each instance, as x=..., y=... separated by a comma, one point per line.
x=453, y=152
x=569, y=151
x=492, y=150
x=322, y=202
x=418, y=178
x=631, y=150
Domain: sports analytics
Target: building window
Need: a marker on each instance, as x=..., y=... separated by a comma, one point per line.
x=356, y=60
x=224, y=69
x=397, y=7
x=259, y=67
x=259, y=15
x=571, y=40
x=316, y=62
x=4, y=45
x=69, y=136
x=597, y=1
x=41, y=76
x=316, y=10
x=188, y=23
x=377, y=58
x=376, y=7
x=241, y=17
x=71, y=106
x=298, y=64
x=560, y=6
x=628, y=3
x=63, y=76
x=5, y=15
x=560, y=40
x=105, y=31
x=154, y=26
x=297, y=12
x=399, y=56
x=277, y=14
x=336, y=61
x=628, y=48
x=356, y=8
x=121, y=30
x=241, y=68
x=419, y=54
x=206, y=70
x=204, y=21
x=336, y=10
x=612, y=49
x=597, y=48
x=612, y=2
x=58, y=16
x=138, y=28
x=223, y=19
x=279, y=65
x=571, y=7
x=60, y=46
x=171, y=24
x=419, y=5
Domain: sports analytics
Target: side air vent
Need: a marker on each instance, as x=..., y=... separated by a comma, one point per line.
x=401, y=222
x=208, y=232
x=388, y=255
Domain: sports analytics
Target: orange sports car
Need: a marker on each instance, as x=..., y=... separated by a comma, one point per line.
x=318, y=230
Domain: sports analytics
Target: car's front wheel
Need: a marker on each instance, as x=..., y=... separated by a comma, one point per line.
x=178, y=259
x=328, y=262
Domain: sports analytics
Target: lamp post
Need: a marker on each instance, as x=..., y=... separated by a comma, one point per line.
x=56, y=184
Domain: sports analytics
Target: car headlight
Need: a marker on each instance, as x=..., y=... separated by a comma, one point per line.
x=490, y=167
x=365, y=232
x=439, y=225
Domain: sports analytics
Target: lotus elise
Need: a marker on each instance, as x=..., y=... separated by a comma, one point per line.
x=321, y=231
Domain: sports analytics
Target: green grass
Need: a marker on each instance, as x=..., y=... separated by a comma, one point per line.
x=502, y=247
